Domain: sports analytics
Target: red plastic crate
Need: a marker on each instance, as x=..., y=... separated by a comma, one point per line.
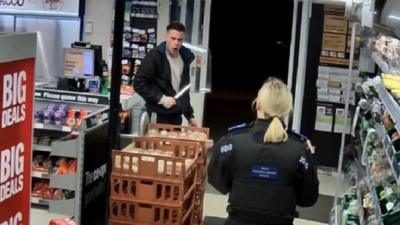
x=197, y=216
x=149, y=166
x=205, y=144
x=171, y=127
x=187, y=221
x=123, y=211
x=145, y=190
x=201, y=173
x=180, y=148
x=199, y=194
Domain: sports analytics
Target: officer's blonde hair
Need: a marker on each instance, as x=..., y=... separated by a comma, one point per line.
x=275, y=99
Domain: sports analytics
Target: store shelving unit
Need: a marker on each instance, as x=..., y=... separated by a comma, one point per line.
x=39, y=174
x=53, y=127
x=382, y=100
x=140, y=35
x=382, y=64
x=391, y=105
x=43, y=148
x=390, y=153
x=360, y=208
x=39, y=201
x=375, y=198
x=72, y=144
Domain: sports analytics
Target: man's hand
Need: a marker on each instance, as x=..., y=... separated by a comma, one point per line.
x=192, y=122
x=167, y=101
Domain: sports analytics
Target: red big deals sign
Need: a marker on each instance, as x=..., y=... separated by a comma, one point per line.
x=16, y=104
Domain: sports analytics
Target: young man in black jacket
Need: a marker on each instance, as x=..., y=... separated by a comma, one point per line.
x=163, y=73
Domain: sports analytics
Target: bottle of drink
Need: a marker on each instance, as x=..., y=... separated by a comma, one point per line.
x=105, y=80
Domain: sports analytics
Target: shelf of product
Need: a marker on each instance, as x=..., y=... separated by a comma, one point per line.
x=40, y=164
x=53, y=127
x=64, y=206
x=385, y=51
x=388, y=131
x=145, y=3
x=368, y=209
x=143, y=15
x=64, y=174
x=379, y=190
x=386, y=111
x=41, y=189
x=350, y=208
x=43, y=148
x=361, y=206
x=393, y=158
x=62, y=221
x=375, y=198
x=391, y=105
x=39, y=201
x=67, y=146
x=60, y=144
x=139, y=37
x=59, y=117
x=40, y=174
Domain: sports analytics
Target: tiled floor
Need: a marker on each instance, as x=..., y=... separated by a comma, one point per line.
x=215, y=204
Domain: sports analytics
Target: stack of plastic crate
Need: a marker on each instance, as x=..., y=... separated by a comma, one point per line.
x=182, y=133
x=151, y=185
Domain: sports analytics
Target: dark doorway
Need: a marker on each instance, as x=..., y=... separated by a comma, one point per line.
x=248, y=42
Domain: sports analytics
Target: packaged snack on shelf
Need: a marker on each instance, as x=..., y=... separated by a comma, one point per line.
x=62, y=221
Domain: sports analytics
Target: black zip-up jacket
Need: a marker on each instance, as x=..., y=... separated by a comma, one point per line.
x=153, y=80
x=265, y=181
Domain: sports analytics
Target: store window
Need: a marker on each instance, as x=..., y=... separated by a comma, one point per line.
x=175, y=10
x=195, y=14
x=192, y=14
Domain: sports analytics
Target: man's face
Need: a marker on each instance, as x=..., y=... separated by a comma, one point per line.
x=174, y=40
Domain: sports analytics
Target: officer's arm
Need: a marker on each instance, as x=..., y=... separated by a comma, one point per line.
x=307, y=184
x=219, y=173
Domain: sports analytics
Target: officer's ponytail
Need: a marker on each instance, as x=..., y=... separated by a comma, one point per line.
x=275, y=99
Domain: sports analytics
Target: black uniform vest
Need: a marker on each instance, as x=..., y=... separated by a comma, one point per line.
x=264, y=176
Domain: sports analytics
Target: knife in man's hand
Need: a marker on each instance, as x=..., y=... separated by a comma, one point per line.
x=183, y=91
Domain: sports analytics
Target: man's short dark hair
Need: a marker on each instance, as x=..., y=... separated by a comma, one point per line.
x=176, y=26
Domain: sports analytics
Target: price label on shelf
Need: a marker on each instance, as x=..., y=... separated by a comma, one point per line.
x=39, y=125
x=36, y=174
x=39, y=174
x=35, y=200
x=66, y=128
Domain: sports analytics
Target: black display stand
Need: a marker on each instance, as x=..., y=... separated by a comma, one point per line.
x=94, y=196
